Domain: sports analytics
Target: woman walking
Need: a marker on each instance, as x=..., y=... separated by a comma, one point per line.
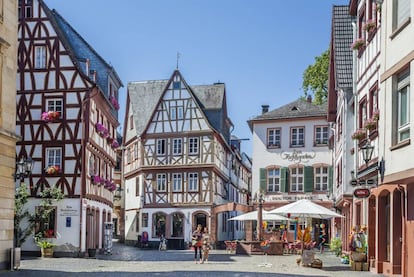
x=197, y=243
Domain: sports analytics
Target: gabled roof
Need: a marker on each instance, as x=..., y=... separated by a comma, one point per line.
x=80, y=50
x=145, y=95
x=342, y=39
x=300, y=108
x=340, y=63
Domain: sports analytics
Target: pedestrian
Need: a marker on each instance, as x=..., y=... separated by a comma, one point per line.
x=196, y=242
x=206, y=245
x=323, y=238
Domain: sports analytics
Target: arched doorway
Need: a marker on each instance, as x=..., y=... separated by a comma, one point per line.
x=200, y=218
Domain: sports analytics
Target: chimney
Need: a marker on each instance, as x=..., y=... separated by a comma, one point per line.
x=309, y=98
x=265, y=108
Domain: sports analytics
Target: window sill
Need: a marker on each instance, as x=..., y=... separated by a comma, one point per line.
x=400, y=144
x=273, y=147
x=399, y=29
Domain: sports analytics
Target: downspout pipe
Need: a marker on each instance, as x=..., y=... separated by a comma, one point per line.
x=403, y=231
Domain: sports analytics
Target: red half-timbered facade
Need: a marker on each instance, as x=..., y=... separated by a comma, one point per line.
x=67, y=109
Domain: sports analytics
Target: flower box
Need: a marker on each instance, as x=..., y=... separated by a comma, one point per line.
x=370, y=25
x=370, y=124
x=359, y=134
x=102, y=130
x=52, y=169
x=50, y=116
x=375, y=115
x=114, y=102
x=96, y=180
x=358, y=44
x=114, y=144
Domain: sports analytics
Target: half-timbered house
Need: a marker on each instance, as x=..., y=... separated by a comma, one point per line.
x=180, y=167
x=67, y=109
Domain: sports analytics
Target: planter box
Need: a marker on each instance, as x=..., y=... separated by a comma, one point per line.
x=47, y=252
x=253, y=247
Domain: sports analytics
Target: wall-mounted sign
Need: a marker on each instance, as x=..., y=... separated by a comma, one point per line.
x=312, y=197
x=298, y=156
x=68, y=211
x=362, y=193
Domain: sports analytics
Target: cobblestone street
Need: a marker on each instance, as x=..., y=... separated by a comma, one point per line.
x=131, y=261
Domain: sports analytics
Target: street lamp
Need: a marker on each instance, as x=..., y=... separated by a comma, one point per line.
x=367, y=150
x=118, y=193
x=23, y=169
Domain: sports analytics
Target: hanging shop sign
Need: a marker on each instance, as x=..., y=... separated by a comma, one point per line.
x=362, y=193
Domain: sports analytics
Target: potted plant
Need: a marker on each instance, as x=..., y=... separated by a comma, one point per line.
x=336, y=246
x=21, y=214
x=43, y=238
x=46, y=248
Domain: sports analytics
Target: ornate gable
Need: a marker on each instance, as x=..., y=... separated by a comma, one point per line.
x=178, y=110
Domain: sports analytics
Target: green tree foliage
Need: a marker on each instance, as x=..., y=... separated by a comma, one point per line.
x=20, y=214
x=315, y=78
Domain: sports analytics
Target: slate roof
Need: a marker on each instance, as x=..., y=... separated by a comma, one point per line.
x=145, y=95
x=80, y=50
x=300, y=108
x=342, y=40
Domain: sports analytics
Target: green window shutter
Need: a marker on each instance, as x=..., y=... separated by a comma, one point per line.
x=284, y=179
x=330, y=178
x=308, y=179
x=263, y=180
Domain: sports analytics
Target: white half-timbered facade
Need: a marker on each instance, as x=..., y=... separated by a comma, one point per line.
x=180, y=169
x=67, y=102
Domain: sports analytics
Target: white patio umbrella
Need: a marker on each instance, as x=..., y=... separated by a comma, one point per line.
x=304, y=209
x=253, y=216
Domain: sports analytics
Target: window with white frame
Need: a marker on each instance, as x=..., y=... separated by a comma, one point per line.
x=180, y=112
x=403, y=106
x=193, y=146
x=173, y=113
x=161, y=182
x=297, y=136
x=177, y=146
x=54, y=157
x=177, y=182
x=54, y=105
x=321, y=178
x=40, y=56
x=91, y=165
x=161, y=146
x=296, y=179
x=273, y=138
x=321, y=135
x=273, y=180
x=192, y=180
x=401, y=13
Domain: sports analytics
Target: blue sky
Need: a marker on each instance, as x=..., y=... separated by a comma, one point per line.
x=258, y=48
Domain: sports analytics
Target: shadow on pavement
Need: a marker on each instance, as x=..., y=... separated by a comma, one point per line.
x=30, y=273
